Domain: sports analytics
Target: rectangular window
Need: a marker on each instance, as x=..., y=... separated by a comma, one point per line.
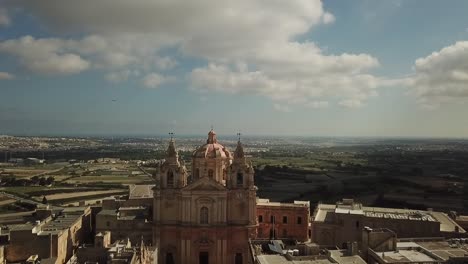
x=260, y=218
x=285, y=219
x=272, y=219
x=299, y=220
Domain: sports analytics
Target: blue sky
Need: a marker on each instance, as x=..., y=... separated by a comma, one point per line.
x=331, y=68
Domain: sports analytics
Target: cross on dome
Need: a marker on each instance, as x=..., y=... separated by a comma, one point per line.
x=212, y=137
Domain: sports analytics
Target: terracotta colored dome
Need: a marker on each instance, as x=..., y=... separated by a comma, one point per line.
x=212, y=149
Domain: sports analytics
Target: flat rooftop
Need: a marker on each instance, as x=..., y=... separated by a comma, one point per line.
x=278, y=259
x=340, y=257
x=61, y=222
x=267, y=202
x=108, y=212
x=447, y=224
x=405, y=256
x=140, y=191
x=444, y=249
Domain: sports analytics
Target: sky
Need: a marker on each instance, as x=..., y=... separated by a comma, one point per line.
x=394, y=68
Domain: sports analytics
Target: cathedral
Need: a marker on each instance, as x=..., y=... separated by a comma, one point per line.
x=209, y=216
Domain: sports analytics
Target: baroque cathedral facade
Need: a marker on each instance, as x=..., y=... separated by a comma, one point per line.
x=209, y=216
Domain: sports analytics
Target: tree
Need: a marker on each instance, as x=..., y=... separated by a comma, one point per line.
x=50, y=180
x=42, y=181
x=35, y=179
x=44, y=200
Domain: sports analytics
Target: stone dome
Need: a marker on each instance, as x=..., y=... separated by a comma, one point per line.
x=212, y=149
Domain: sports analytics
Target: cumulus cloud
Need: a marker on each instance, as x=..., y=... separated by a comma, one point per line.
x=69, y=56
x=294, y=73
x=4, y=18
x=153, y=80
x=6, y=76
x=246, y=51
x=442, y=76
x=46, y=56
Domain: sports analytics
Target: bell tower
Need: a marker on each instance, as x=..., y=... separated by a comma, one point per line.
x=172, y=173
x=243, y=192
x=241, y=173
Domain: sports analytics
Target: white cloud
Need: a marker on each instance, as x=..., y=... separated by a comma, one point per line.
x=45, y=56
x=6, y=76
x=4, y=18
x=153, y=80
x=328, y=18
x=210, y=29
x=246, y=51
x=442, y=76
x=68, y=56
x=293, y=73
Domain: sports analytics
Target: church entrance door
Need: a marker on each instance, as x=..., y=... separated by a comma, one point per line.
x=203, y=258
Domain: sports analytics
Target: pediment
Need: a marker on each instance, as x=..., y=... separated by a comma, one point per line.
x=205, y=184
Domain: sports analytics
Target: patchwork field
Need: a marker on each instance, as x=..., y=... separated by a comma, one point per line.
x=80, y=195
x=122, y=179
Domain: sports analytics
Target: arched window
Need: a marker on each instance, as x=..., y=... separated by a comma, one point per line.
x=210, y=173
x=240, y=179
x=204, y=215
x=197, y=173
x=170, y=179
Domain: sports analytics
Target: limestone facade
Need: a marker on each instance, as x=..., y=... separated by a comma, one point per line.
x=209, y=218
